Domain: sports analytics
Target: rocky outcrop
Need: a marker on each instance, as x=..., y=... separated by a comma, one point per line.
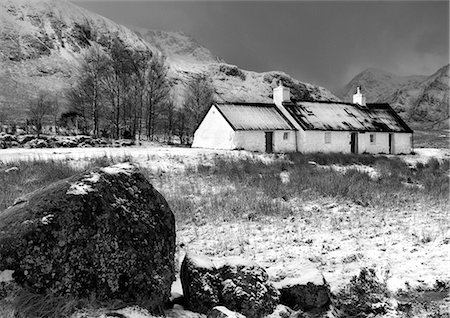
x=237, y=284
x=105, y=232
x=43, y=141
x=308, y=292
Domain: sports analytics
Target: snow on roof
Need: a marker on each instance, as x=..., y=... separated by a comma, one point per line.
x=323, y=115
x=254, y=116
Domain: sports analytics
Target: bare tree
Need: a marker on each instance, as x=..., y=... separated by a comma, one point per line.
x=199, y=97
x=92, y=70
x=139, y=62
x=4, y=114
x=157, y=92
x=41, y=106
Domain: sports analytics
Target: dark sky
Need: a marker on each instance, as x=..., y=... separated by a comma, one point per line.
x=321, y=42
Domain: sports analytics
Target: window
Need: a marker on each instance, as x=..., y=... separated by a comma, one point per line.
x=372, y=139
x=328, y=137
x=285, y=136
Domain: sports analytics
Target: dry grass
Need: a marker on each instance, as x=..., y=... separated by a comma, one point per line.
x=241, y=206
x=240, y=188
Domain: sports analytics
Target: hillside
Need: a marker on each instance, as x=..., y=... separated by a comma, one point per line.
x=422, y=100
x=42, y=42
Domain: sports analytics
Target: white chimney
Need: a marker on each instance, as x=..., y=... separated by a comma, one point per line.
x=281, y=94
x=359, y=98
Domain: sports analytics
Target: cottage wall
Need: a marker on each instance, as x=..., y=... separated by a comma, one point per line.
x=214, y=132
x=380, y=144
x=403, y=143
x=255, y=140
x=314, y=141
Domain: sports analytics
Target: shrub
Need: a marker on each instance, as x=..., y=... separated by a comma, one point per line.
x=364, y=296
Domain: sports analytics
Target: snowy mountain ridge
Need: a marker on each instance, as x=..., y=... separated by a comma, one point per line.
x=42, y=43
x=420, y=99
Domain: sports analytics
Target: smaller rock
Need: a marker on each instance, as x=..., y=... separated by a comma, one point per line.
x=246, y=287
x=200, y=283
x=285, y=177
x=6, y=275
x=281, y=311
x=37, y=143
x=308, y=292
x=223, y=312
x=12, y=169
x=24, y=139
x=240, y=285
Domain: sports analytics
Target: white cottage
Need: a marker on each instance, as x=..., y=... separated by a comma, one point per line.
x=305, y=126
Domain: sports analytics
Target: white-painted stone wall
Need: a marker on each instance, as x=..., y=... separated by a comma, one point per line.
x=314, y=141
x=284, y=145
x=214, y=132
x=255, y=140
x=380, y=144
x=403, y=143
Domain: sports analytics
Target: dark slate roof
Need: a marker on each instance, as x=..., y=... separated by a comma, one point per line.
x=329, y=115
x=254, y=116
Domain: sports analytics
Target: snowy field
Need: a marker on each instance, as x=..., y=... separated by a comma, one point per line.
x=409, y=248
x=148, y=151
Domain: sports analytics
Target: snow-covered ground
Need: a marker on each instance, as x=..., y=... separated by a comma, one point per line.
x=171, y=155
x=153, y=157
x=407, y=247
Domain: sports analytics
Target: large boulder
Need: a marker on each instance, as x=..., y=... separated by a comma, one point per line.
x=106, y=232
x=307, y=292
x=238, y=284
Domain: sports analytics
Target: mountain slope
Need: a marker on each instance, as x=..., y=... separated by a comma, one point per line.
x=421, y=100
x=42, y=42
x=186, y=58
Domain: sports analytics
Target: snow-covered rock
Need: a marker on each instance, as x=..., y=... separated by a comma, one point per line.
x=223, y=312
x=200, y=283
x=238, y=284
x=309, y=291
x=106, y=232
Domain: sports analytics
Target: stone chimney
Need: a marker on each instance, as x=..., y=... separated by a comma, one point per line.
x=359, y=98
x=281, y=94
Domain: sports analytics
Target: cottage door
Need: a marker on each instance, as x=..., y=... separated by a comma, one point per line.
x=269, y=141
x=354, y=142
x=391, y=144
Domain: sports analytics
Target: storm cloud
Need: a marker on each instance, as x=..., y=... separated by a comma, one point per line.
x=322, y=42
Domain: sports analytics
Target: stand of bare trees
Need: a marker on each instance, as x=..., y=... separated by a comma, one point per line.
x=122, y=93
x=119, y=92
